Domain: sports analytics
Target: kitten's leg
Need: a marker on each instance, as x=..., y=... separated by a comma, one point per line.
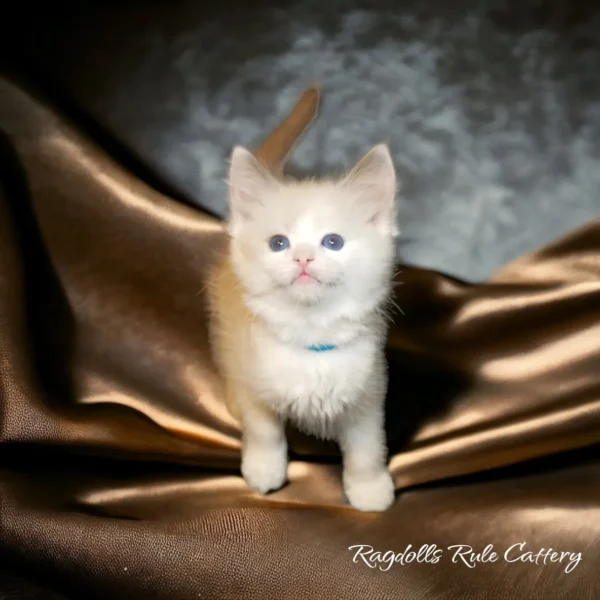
x=264, y=447
x=367, y=480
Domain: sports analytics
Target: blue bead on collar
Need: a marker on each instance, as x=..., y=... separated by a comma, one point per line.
x=321, y=347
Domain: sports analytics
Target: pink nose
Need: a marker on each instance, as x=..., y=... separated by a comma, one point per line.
x=303, y=261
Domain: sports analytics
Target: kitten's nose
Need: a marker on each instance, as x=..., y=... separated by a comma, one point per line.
x=303, y=261
x=303, y=254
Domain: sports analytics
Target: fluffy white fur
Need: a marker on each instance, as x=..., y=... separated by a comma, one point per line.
x=272, y=376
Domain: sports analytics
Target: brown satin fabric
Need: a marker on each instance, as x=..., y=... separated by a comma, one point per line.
x=104, y=355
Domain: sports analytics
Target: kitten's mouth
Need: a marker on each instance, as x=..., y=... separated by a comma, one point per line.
x=304, y=278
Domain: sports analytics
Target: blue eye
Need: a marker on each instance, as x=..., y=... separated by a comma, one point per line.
x=278, y=243
x=333, y=241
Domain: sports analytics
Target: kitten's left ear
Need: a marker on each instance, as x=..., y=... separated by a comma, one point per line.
x=373, y=180
x=248, y=180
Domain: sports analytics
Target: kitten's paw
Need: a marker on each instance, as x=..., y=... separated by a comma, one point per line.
x=264, y=471
x=370, y=493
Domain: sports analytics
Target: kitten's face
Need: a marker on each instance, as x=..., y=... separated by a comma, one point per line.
x=312, y=241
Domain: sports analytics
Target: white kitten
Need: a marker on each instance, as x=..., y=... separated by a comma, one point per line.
x=299, y=319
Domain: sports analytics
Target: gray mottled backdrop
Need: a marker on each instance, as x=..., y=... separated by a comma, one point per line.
x=493, y=116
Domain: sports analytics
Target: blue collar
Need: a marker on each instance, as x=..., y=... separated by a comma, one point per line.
x=321, y=347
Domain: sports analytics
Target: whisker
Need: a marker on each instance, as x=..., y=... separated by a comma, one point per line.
x=397, y=306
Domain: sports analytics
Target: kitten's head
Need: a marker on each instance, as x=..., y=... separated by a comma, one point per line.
x=309, y=242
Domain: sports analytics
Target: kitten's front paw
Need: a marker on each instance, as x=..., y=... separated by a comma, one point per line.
x=370, y=493
x=264, y=471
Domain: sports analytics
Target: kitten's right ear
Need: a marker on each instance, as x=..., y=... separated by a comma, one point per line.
x=373, y=181
x=247, y=181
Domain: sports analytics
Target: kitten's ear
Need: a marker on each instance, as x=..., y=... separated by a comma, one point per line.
x=373, y=181
x=247, y=181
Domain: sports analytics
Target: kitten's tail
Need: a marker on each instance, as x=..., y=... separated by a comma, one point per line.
x=274, y=151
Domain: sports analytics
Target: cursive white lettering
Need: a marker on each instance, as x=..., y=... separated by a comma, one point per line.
x=542, y=556
x=463, y=553
x=375, y=559
x=362, y=552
